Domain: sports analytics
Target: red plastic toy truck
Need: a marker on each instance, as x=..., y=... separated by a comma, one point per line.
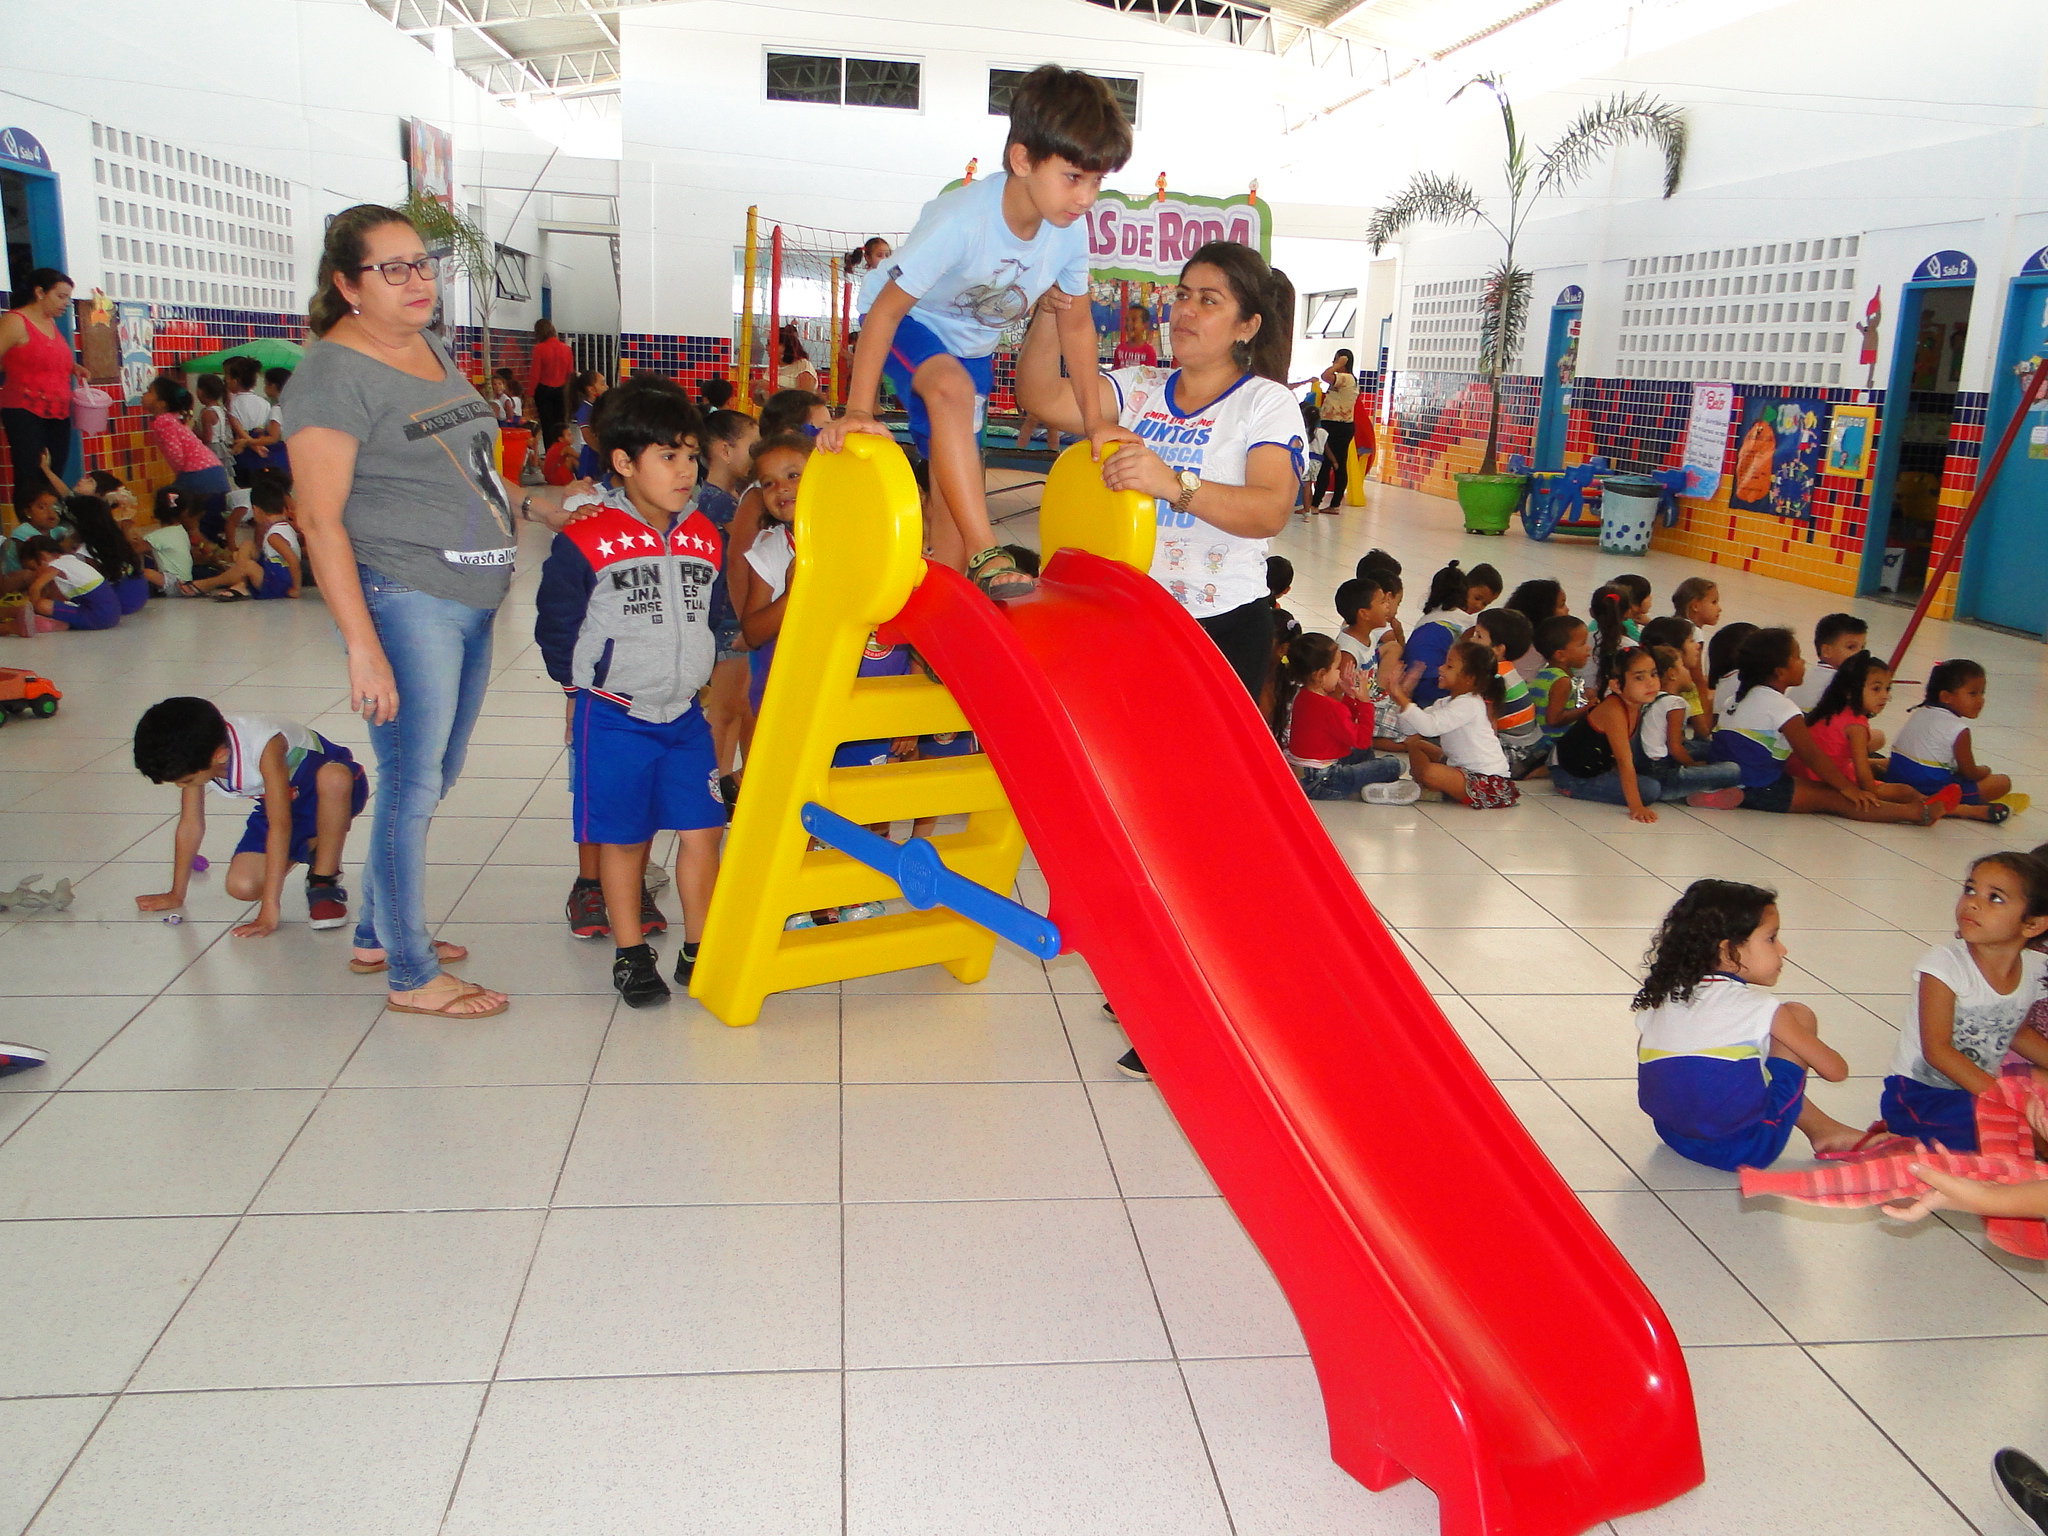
x=24, y=693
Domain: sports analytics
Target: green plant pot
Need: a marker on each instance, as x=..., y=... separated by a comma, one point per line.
x=1489, y=501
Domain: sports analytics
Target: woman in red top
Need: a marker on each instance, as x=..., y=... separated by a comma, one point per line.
x=35, y=395
x=1329, y=728
x=553, y=362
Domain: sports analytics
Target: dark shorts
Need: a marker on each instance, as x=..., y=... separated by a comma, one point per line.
x=1774, y=796
x=951, y=744
x=277, y=581
x=98, y=609
x=913, y=346
x=633, y=778
x=1924, y=779
x=305, y=803
x=1947, y=1115
x=1763, y=1143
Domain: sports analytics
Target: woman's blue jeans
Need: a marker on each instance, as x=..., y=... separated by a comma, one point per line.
x=440, y=655
x=1343, y=779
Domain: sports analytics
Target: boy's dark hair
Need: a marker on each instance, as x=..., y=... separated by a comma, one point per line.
x=1834, y=626
x=1486, y=576
x=788, y=410
x=715, y=393
x=241, y=370
x=278, y=376
x=1509, y=630
x=1023, y=557
x=1065, y=112
x=209, y=387
x=1844, y=692
x=38, y=547
x=1762, y=654
x=1353, y=595
x=1724, y=648
x=1537, y=600
x=1948, y=676
x=177, y=738
x=1379, y=562
x=1477, y=662
x=1687, y=949
x=1669, y=630
x=1690, y=591
x=647, y=411
x=270, y=493
x=1279, y=574
x=1555, y=633
x=506, y=374
x=1448, y=588
x=726, y=426
x=1637, y=587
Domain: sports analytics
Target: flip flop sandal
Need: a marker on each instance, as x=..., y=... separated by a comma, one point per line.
x=1877, y=1141
x=230, y=595
x=449, y=1009
x=998, y=577
x=2016, y=802
x=444, y=952
x=1997, y=811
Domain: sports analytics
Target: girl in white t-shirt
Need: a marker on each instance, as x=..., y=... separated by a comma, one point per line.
x=1970, y=998
x=1933, y=749
x=1222, y=440
x=1464, y=761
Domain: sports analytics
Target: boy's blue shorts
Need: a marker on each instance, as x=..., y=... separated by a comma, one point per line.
x=1947, y=1115
x=913, y=344
x=277, y=580
x=1924, y=779
x=305, y=803
x=633, y=778
x=1763, y=1142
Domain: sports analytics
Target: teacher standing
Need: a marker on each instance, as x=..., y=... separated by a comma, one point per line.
x=1340, y=397
x=35, y=394
x=547, y=385
x=1229, y=432
x=410, y=529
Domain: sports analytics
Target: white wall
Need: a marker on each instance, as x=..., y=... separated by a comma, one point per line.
x=702, y=142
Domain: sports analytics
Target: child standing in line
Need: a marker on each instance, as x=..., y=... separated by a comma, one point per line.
x=1933, y=749
x=1840, y=727
x=1465, y=761
x=307, y=792
x=1506, y=633
x=197, y=469
x=623, y=620
x=1971, y=996
x=1721, y=1068
x=1329, y=730
x=1444, y=622
x=1279, y=582
x=1565, y=645
x=1836, y=638
x=729, y=438
x=979, y=259
x=1672, y=761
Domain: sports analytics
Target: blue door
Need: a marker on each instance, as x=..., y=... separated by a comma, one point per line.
x=2005, y=564
x=1560, y=367
x=32, y=214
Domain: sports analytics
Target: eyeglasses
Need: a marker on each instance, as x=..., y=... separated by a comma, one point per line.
x=396, y=272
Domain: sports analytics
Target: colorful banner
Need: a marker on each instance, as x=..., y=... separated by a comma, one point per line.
x=430, y=161
x=1146, y=240
x=1706, y=438
x=135, y=328
x=1780, y=456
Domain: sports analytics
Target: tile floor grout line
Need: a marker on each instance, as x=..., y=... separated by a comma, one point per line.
x=1884, y=1434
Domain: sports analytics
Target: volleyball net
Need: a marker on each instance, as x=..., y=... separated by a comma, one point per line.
x=800, y=278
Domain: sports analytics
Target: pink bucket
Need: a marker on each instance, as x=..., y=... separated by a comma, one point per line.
x=90, y=408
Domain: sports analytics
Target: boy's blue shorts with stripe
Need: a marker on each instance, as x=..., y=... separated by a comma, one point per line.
x=913, y=345
x=306, y=803
x=1763, y=1142
x=1926, y=779
x=634, y=778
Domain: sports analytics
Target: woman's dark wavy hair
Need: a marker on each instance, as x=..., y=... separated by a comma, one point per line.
x=1687, y=948
x=1260, y=291
x=101, y=537
x=1844, y=693
x=343, y=252
x=1762, y=654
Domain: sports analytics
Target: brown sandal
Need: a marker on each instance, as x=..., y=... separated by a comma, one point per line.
x=449, y=1009
x=998, y=577
x=445, y=952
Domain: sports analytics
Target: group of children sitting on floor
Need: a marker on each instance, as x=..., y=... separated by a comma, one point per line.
x=1619, y=707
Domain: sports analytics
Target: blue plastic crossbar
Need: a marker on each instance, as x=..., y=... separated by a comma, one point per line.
x=926, y=882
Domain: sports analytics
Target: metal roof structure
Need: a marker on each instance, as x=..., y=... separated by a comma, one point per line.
x=564, y=48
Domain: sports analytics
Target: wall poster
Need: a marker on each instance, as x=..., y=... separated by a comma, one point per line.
x=1779, y=458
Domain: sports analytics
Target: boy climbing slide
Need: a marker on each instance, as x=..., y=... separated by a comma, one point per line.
x=980, y=257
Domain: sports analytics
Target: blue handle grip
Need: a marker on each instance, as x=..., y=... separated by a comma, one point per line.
x=926, y=882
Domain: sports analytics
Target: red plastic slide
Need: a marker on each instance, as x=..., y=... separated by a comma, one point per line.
x=1470, y=1324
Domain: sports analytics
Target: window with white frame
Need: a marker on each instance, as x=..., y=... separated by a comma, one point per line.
x=1777, y=312
x=1330, y=316
x=180, y=226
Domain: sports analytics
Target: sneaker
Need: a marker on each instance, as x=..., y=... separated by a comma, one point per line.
x=326, y=903
x=2023, y=1486
x=1393, y=792
x=651, y=919
x=1715, y=800
x=585, y=910
x=637, y=979
x=1130, y=1066
x=20, y=1058
x=686, y=964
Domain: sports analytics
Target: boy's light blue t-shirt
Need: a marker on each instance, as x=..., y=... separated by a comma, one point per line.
x=10, y=552
x=970, y=275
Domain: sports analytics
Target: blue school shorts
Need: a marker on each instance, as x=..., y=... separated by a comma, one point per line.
x=1946, y=1115
x=634, y=778
x=277, y=580
x=1924, y=779
x=305, y=803
x=1763, y=1143
x=912, y=346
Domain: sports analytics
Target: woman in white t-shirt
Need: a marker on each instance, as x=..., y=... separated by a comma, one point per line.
x=1223, y=441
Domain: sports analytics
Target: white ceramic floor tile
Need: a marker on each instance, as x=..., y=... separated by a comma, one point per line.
x=1453, y=901
x=70, y=1029
x=1685, y=859
x=754, y=1143
x=996, y=1283
x=1078, y=1449
x=232, y=1042
x=1609, y=1106
x=1496, y=1058
x=292, y=960
x=425, y=1149
x=1519, y=960
x=988, y=1038
x=90, y=1297
x=304, y=1301
x=795, y=1040
x=1706, y=1304
x=45, y=959
x=544, y=1040
x=710, y=1455
x=674, y=1290
x=41, y=1435
x=1580, y=1157
x=66, y=839
x=1566, y=1036
x=1147, y=1147
x=1616, y=901
x=973, y=1141
x=367, y=1461
x=1218, y=1296
x=1874, y=962
x=538, y=959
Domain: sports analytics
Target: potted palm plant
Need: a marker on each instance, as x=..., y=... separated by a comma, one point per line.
x=1489, y=498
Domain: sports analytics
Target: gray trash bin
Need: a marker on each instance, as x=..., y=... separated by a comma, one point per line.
x=1628, y=511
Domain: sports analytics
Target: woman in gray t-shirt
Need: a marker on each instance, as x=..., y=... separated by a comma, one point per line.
x=411, y=529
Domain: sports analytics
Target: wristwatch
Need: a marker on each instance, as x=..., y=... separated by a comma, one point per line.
x=1190, y=482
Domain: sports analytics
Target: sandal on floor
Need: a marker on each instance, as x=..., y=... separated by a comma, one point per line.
x=452, y=1009
x=998, y=577
x=1877, y=1141
x=444, y=952
x=1997, y=811
x=2015, y=802
x=231, y=595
